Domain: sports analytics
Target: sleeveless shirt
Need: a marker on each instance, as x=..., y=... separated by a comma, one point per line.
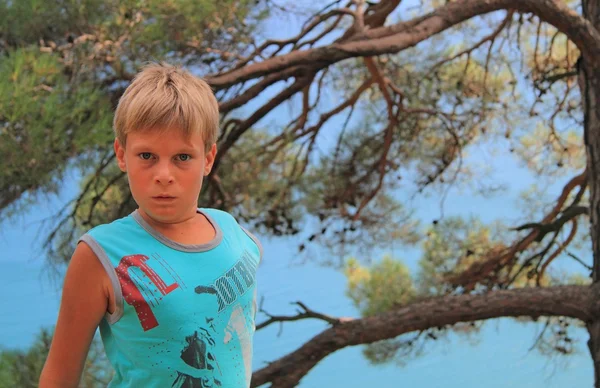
x=184, y=314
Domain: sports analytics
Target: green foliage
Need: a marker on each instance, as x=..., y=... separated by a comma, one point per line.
x=546, y=152
x=105, y=196
x=376, y=289
x=255, y=181
x=22, y=369
x=65, y=64
x=386, y=284
x=44, y=122
x=26, y=21
x=151, y=27
x=451, y=246
x=334, y=187
x=401, y=350
x=448, y=107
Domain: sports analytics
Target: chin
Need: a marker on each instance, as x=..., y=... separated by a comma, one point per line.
x=165, y=214
x=162, y=213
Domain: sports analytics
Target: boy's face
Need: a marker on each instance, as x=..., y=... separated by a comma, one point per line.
x=165, y=171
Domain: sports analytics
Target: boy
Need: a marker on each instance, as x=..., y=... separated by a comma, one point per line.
x=171, y=286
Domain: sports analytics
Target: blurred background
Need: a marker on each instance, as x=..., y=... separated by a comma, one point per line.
x=378, y=173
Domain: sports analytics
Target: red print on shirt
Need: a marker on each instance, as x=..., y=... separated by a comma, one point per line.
x=133, y=295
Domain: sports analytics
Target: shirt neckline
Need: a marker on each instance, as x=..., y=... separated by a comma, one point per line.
x=179, y=246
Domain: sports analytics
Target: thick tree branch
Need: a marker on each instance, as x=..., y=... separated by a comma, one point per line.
x=580, y=302
x=397, y=37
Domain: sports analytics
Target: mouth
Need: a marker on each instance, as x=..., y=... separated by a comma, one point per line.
x=163, y=197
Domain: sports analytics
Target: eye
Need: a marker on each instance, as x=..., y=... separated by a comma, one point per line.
x=145, y=155
x=184, y=157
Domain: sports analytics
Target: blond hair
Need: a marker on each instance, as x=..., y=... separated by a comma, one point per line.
x=165, y=96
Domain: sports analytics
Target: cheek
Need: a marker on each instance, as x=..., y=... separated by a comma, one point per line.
x=192, y=180
x=134, y=182
x=137, y=177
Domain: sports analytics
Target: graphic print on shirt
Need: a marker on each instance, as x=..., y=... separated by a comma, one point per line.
x=198, y=351
x=132, y=288
x=197, y=354
x=229, y=287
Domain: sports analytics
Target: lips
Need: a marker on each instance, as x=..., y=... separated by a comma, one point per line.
x=163, y=197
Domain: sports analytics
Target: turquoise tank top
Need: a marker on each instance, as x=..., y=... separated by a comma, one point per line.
x=185, y=313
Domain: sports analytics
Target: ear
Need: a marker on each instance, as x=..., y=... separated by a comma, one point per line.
x=120, y=152
x=210, y=159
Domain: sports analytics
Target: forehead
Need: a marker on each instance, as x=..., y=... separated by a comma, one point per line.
x=164, y=138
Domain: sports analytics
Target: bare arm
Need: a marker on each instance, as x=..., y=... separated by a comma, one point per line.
x=85, y=299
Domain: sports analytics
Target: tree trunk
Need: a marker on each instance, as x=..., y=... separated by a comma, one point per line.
x=589, y=82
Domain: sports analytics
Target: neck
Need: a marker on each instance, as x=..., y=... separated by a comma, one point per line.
x=185, y=220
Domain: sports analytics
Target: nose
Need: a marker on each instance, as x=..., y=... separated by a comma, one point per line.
x=163, y=174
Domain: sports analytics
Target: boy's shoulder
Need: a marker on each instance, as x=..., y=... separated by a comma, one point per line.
x=225, y=220
x=217, y=212
x=118, y=225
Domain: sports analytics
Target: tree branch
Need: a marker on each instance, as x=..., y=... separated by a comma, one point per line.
x=554, y=226
x=304, y=313
x=300, y=83
x=580, y=302
x=397, y=37
x=258, y=88
x=500, y=257
x=577, y=259
x=557, y=252
x=491, y=37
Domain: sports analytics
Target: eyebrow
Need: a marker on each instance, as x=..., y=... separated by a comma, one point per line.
x=187, y=148
x=152, y=147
